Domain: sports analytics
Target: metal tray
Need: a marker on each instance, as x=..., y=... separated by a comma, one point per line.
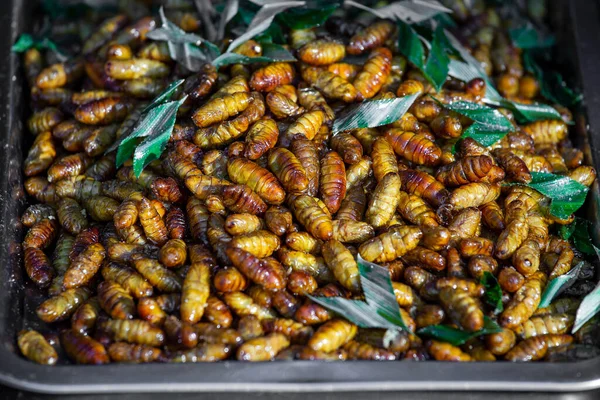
x=578, y=43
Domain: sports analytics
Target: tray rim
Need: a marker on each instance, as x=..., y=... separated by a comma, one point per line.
x=301, y=376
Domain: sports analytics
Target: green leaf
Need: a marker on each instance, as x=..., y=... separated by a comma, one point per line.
x=559, y=285
x=590, y=305
x=437, y=67
x=373, y=113
x=488, y=126
x=230, y=10
x=527, y=37
x=164, y=95
x=493, y=292
x=526, y=113
x=457, y=337
x=159, y=124
x=271, y=53
x=380, y=308
x=23, y=43
x=26, y=42
x=305, y=18
x=578, y=232
x=566, y=195
x=552, y=85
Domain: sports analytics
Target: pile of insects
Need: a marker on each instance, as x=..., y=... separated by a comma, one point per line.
x=256, y=203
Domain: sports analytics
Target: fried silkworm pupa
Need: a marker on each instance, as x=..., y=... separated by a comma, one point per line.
x=331, y=85
x=307, y=154
x=180, y=333
x=278, y=220
x=59, y=75
x=217, y=312
x=342, y=264
x=115, y=300
x=36, y=348
x=242, y=305
x=37, y=266
x=261, y=243
x=288, y=170
x=371, y=37
x=423, y=185
x=333, y=181
x=84, y=266
x=158, y=276
x=173, y=253
x=312, y=217
x=63, y=305
x=269, y=274
x=36, y=213
x=68, y=166
x=196, y=287
x=133, y=331
x=239, y=224
x=84, y=319
x=41, y=235
x=260, y=180
x=268, y=78
x=154, y=227
x=524, y=302
x=322, y=52
x=332, y=335
x=374, y=73
x=390, y=245
x=301, y=283
x=446, y=352
x=532, y=349
x=71, y=217
x=546, y=131
x=205, y=352
x=41, y=154
x=365, y=351
x=462, y=309
x=384, y=201
x=104, y=111
x=133, y=353
x=230, y=279
x=261, y=137
x=135, y=68
x=510, y=279
x=83, y=349
x=263, y=348
x=250, y=327
x=176, y=223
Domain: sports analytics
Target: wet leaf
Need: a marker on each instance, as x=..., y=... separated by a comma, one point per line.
x=566, y=195
x=161, y=120
x=488, y=126
x=552, y=85
x=526, y=113
x=379, y=309
x=578, y=232
x=410, y=44
x=528, y=37
x=373, y=113
x=305, y=18
x=457, y=337
x=493, y=292
x=559, y=284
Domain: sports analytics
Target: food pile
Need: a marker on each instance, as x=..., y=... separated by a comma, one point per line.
x=256, y=202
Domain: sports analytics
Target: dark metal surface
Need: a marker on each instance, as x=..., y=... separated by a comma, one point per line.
x=298, y=376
